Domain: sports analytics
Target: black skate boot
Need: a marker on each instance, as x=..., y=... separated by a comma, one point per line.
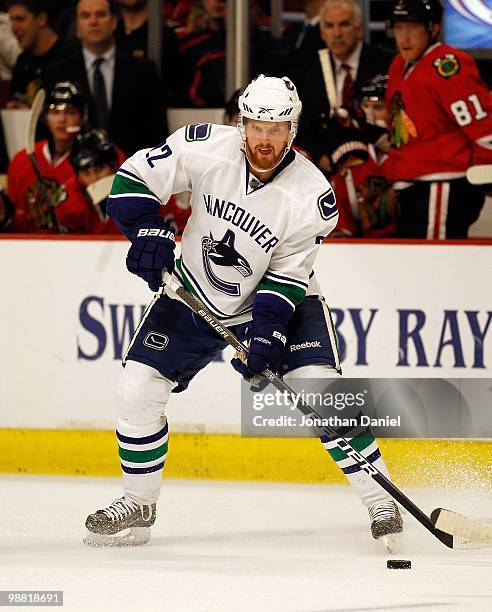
x=123, y=523
x=386, y=523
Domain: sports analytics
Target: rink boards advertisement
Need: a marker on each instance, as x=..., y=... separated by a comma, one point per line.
x=70, y=307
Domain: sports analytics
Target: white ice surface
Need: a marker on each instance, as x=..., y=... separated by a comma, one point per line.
x=236, y=547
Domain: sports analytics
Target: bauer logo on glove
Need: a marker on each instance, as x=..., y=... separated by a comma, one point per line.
x=157, y=232
x=152, y=250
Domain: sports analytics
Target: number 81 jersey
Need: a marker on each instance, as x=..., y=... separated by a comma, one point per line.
x=243, y=236
x=440, y=116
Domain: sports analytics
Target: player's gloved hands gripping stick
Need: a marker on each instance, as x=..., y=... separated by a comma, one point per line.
x=266, y=335
x=152, y=250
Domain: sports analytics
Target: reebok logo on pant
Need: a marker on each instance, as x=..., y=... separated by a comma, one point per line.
x=305, y=345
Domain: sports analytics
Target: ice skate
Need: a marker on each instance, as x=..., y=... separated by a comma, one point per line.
x=123, y=523
x=386, y=524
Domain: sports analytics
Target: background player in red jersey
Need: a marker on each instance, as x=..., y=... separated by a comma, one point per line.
x=440, y=123
x=93, y=156
x=34, y=204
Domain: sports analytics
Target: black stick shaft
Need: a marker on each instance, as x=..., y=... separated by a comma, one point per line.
x=196, y=305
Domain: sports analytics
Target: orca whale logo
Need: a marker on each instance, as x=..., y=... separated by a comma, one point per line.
x=223, y=253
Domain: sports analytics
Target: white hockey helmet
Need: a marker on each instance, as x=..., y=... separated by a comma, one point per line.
x=269, y=98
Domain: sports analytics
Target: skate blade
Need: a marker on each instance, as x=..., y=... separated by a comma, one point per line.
x=135, y=536
x=391, y=543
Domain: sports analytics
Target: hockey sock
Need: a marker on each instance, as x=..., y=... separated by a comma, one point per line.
x=368, y=489
x=142, y=450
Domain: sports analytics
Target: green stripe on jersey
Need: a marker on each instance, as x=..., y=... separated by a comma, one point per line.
x=291, y=292
x=136, y=456
x=124, y=184
x=186, y=283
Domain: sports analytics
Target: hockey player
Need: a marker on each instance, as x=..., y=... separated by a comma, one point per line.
x=34, y=203
x=365, y=198
x=259, y=212
x=441, y=123
x=93, y=156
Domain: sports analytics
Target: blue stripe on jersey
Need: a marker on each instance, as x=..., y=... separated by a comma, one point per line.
x=145, y=440
x=285, y=279
x=131, y=175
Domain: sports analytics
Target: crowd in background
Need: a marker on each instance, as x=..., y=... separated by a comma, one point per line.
x=106, y=100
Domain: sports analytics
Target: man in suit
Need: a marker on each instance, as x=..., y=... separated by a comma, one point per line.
x=353, y=63
x=125, y=95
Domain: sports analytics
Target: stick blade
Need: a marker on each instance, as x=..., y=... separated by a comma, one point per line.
x=99, y=190
x=479, y=175
x=466, y=532
x=36, y=110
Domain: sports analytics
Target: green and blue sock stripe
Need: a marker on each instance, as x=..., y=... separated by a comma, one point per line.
x=351, y=469
x=143, y=455
x=365, y=443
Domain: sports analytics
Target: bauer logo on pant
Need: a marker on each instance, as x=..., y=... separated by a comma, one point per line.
x=156, y=341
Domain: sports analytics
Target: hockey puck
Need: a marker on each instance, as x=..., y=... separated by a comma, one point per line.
x=398, y=564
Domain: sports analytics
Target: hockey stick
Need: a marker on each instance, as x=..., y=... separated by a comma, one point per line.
x=462, y=527
x=99, y=191
x=479, y=175
x=329, y=79
x=36, y=110
x=35, y=113
x=196, y=305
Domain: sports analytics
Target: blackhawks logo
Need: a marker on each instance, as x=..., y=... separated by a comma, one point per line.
x=402, y=127
x=41, y=201
x=447, y=66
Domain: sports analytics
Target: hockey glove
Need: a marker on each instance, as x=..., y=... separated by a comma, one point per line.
x=152, y=250
x=266, y=350
x=266, y=334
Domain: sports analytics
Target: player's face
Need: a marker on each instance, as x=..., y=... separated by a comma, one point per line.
x=94, y=173
x=375, y=110
x=95, y=23
x=412, y=39
x=63, y=123
x=266, y=141
x=25, y=25
x=340, y=30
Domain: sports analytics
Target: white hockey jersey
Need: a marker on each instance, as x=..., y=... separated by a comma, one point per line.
x=243, y=236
